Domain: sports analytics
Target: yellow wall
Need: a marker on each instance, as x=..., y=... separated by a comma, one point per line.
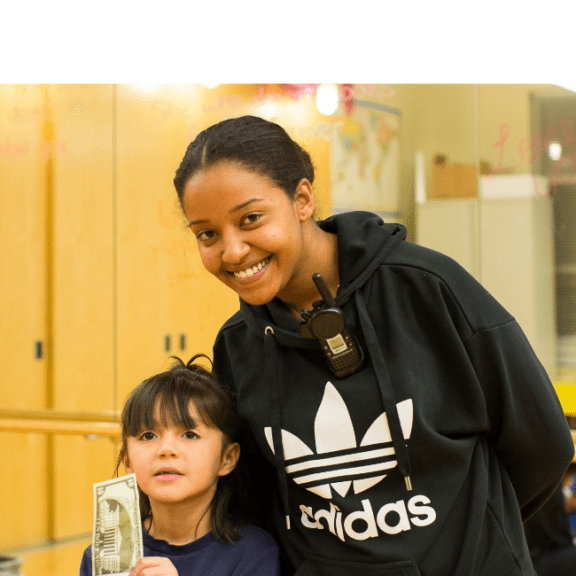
x=437, y=119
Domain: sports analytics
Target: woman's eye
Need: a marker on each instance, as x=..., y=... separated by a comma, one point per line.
x=251, y=218
x=205, y=235
x=190, y=435
x=147, y=436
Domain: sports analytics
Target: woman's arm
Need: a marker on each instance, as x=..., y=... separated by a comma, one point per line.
x=528, y=429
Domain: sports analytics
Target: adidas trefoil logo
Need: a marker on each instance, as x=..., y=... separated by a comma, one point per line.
x=339, y=462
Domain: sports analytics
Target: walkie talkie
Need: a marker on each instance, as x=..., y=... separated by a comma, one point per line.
x=326, y=323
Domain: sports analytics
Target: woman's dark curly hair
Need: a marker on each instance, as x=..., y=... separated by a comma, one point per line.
x=171, y=393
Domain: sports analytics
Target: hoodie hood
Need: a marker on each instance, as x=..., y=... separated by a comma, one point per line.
x=364, y=242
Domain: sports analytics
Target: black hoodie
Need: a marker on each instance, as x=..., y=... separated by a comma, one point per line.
x=452, y=401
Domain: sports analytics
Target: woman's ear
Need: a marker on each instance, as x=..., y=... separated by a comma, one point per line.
x=229, y=459
x=304, y=200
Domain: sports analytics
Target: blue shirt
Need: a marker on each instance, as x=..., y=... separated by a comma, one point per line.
x=255, y=554
x=572, y=517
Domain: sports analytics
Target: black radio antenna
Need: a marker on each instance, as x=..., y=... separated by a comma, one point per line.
x=323, y=289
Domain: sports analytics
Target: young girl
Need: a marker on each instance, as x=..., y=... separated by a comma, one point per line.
x=425, y=459
x=179, y=432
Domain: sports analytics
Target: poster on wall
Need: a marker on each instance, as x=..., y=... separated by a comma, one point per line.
x=365, y=163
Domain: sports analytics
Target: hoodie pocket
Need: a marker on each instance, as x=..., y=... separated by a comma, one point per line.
x=316, y=566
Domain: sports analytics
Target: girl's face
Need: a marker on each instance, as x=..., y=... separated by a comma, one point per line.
x=250, y=233
x=175, y=465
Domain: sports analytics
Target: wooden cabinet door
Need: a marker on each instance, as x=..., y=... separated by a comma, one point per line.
x=83, y=246
x=23, y=310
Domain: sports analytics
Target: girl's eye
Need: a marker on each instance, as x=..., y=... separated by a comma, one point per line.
x=190, y=435
x=147, y=436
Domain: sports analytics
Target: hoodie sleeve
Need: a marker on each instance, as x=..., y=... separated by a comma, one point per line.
x=528, y=429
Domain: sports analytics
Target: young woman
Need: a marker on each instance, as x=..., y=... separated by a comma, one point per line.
x=424, y=459
x=179, y=431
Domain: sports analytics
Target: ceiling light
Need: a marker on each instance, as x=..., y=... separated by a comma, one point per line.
x=327, y=99
x=554, y=151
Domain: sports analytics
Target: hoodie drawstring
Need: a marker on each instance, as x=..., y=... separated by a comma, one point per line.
x=386, y=390
x=272, y=372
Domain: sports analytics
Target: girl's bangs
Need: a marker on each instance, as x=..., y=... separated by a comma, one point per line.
x=166, y=396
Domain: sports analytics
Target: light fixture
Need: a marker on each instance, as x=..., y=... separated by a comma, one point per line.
x=554, y=151
x=327, y=99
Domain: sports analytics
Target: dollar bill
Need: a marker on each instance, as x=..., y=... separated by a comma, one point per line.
x=117, y=535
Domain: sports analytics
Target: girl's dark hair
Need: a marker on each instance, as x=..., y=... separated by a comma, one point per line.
x=256, y=144
x=171, y=392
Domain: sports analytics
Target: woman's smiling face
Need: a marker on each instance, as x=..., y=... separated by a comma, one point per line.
x=249, y=232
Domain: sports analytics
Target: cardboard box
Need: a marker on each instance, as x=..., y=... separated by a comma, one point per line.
x=454, y=181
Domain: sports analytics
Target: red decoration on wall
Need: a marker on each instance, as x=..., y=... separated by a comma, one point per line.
x=347, y=91
x=300, y=90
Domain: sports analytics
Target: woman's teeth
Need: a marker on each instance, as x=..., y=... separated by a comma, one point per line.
x=251, y=271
